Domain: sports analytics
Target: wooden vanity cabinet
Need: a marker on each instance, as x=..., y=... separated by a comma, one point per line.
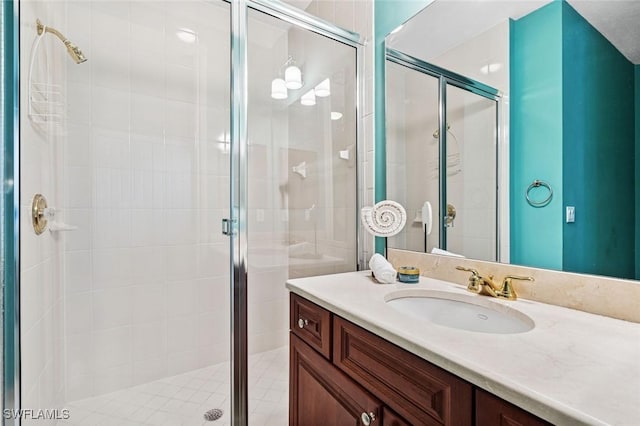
x=341, y=374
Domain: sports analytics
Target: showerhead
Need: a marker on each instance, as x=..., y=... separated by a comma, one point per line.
x=74, y=51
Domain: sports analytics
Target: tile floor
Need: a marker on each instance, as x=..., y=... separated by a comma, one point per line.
x=183, y=399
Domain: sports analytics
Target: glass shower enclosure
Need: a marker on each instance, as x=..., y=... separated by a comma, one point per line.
x=201, y=155
x=442, y=149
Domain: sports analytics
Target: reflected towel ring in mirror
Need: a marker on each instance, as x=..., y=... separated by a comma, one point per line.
x=536, y=184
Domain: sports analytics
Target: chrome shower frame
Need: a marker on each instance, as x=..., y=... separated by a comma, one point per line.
x=10, y=206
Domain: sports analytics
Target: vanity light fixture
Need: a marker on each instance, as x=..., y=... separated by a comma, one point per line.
x=323, y=89
x=308, y=99
x=186, y=35
x=335, y=115
x=279, y=89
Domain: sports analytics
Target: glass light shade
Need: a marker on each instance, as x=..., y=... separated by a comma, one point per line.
x=279, y=89
x=323, y=89
x=293, y=77
x=335, y=115
x=308, y=99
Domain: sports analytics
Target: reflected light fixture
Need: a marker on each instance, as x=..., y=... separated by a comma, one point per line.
x=279, y=89
x=323, y=89
x=224, y=142
x=293, y=77
x=491, y=68
x=335, y=115
x=186, y=35
x=308, y=99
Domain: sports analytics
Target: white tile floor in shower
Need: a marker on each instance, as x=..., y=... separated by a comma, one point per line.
x=183, y=399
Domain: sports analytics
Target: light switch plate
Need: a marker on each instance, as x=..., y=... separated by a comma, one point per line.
x=571, y=214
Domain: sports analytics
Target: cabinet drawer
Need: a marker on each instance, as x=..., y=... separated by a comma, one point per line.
x=420, y=392
x=312, y=324
x=492, y=411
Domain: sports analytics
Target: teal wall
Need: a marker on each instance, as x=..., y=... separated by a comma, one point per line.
x=637, y=178
x=581, y=142
x=598, y=144
x=536, y=136
x=388, y=15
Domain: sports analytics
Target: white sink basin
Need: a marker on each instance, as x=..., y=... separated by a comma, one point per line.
x=465, y=312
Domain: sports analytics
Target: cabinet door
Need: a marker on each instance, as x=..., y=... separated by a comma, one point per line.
x=417, y=390
x=493, y=411
x=389, y=418
x=321, y=395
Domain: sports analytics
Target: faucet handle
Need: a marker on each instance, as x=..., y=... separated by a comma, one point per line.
x=473, y=271
x=474, y=280
x=507, y=291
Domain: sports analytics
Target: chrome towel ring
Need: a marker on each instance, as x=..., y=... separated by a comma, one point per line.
x=536, y=184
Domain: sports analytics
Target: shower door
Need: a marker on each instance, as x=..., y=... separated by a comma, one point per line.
x=300, y=180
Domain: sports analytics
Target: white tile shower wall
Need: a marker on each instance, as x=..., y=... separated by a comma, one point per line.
x=41, y=296
x=146, y=274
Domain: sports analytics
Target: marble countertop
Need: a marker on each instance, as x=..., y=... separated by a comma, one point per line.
x=572, y=368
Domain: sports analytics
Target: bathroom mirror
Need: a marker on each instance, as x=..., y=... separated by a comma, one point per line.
x=562, y=131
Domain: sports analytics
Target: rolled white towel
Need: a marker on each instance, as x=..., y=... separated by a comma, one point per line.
x=382, y=269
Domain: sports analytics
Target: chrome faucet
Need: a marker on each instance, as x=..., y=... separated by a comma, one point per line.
x=485, y=285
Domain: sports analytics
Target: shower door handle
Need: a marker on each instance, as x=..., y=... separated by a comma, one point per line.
x=228, y=227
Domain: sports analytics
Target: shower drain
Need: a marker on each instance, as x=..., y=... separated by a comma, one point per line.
x=213, y=415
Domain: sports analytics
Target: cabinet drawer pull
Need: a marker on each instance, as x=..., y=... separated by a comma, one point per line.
x=367, y=419
x=302, y=323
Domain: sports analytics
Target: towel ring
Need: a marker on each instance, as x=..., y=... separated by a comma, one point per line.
x=536, y=184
